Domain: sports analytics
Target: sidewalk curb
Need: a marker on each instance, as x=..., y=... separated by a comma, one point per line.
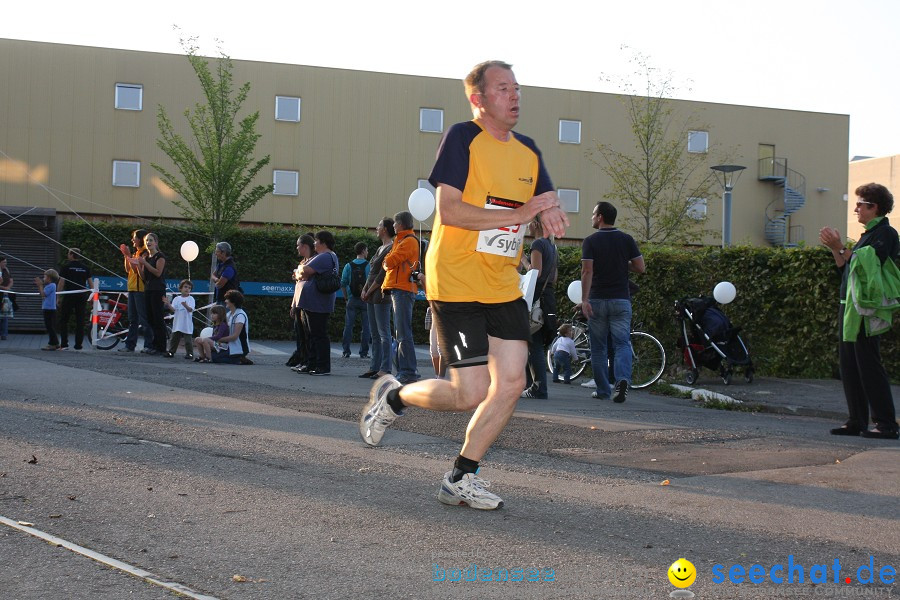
x=701, y=394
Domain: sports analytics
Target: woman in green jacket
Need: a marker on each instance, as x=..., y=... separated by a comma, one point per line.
x=866, y=384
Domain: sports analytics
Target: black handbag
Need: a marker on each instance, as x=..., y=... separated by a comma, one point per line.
x=328, y=282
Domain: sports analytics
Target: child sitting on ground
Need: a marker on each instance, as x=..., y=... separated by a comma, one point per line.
x=563, y=351
x=182, y=321
x=205, y=346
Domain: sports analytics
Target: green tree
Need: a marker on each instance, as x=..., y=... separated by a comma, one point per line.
x=217, y=168
x=658, y=180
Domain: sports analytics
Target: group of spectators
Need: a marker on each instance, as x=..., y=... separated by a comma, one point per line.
x=374, y=290
x=145, y=267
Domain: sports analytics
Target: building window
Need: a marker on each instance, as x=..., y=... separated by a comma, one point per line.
x=129, y=96
x=569, y=199
x=431, y=120
x=424, y=183
x=698, y=141
x=126, y=173
x=287, y=183
x=696, y=208
x=569, y=132
x=287, y=108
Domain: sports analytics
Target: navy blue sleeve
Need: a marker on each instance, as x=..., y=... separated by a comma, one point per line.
x=544, y=183
x=633, y=248
x=452, y=164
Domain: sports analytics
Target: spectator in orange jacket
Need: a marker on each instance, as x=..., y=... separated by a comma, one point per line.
x=402, y=268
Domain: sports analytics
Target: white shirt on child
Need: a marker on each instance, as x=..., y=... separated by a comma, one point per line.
x=183, y=320
x=565, y=344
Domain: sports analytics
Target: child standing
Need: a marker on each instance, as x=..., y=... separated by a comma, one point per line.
x=563, y=350
x=47, y=287
x=182, y=321
x=205, y=346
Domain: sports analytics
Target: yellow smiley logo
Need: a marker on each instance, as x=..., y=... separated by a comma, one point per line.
x=682, y=573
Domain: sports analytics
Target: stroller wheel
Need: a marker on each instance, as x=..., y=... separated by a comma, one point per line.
x=691, y=376
x=726, y=378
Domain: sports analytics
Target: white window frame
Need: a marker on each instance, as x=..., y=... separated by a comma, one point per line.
x=131, y=86
x=563, y=192
x=698, y=208
x=296, y=186
x=694, y=142
x=115, y=173
x=299, y=108
x=423, y=111
x=569, y=122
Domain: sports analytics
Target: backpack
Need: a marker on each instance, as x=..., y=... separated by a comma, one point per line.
x=357, y=278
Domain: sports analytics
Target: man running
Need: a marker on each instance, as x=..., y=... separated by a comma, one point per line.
x=489, y=181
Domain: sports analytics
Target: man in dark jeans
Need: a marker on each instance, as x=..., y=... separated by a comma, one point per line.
x=607, y=257
x=353, y=279
x=73, y=277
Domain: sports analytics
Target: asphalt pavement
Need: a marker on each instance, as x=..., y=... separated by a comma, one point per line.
x=251, y=482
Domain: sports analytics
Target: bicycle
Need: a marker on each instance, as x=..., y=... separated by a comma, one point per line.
x=112, y=323
x=648, y=361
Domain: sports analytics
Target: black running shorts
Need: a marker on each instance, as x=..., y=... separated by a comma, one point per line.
x=463, y=328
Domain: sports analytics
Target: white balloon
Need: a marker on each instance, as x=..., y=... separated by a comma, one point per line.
x=724, y=292
x=574, y=292
x=207, y=332
x=190, y=250
x=421, y=203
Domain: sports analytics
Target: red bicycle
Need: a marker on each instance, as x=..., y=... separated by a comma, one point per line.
x=112, y=322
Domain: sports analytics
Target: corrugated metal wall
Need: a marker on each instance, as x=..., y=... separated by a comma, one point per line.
x=28, y=255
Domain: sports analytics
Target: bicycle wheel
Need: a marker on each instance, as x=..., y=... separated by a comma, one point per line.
x=582, y=358
x=649, y=360
x=109, y=339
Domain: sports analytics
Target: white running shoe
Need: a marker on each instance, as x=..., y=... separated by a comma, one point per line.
x=590, y=383
x=470, y=490
x=378, y=415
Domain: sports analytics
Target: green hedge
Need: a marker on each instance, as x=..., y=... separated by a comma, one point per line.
x=787, y=304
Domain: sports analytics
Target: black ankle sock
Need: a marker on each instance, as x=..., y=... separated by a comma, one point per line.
x=393, y=400
x=462, y=466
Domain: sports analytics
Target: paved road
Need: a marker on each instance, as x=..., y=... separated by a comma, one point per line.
x=198, y=473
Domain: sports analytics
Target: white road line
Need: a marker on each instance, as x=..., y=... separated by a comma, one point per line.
x=106, y=560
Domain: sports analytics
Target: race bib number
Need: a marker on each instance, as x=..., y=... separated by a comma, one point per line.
x=503, y=241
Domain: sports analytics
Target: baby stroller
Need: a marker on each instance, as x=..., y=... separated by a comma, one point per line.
x=708, y=340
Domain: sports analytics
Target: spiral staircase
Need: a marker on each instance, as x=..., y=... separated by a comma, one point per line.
x=778, y=212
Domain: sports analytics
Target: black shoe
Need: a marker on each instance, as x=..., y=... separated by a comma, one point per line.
x=881, y=434
x=168, y=354
x=319, y=372
x=245, y=361
x=556, y=380
x=620, y=391
x=364, y=356
x=303, y=369
x=346, y=355
x=846, y=430
x=367, y=375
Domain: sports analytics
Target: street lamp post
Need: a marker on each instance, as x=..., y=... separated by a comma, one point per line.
x=727, y=176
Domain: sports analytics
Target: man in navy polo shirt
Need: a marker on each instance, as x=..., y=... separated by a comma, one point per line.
x=607, y=257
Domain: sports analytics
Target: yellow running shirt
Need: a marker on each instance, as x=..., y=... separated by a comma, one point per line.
x=482, y=266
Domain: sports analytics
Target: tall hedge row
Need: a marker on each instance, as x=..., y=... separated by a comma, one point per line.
x=787, y=302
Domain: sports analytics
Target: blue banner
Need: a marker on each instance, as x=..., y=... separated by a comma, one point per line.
x=251, y=288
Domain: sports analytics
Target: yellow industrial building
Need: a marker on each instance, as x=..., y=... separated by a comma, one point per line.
x=78, y=133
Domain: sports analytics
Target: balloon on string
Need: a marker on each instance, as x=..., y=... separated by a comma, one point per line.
x=724, y=292
x=421, y=203
x=190, y=250
x=574, y=292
